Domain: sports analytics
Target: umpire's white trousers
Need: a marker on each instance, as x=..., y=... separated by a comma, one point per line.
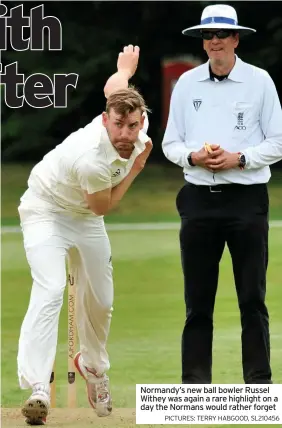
x=48, y=239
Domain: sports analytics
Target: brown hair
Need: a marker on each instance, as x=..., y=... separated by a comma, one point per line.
x=125, y=101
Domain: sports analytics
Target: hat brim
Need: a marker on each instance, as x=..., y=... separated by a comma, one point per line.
x=196, y=30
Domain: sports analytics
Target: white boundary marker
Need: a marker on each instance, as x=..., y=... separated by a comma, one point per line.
x=133, y=226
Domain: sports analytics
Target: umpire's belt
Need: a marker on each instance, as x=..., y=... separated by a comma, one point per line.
x=219, y=188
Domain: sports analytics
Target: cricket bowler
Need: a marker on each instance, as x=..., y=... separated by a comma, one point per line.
x=69, y=193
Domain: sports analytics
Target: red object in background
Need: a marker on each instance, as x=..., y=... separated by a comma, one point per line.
x=172, y=68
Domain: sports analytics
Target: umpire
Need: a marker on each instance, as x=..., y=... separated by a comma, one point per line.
x=234, y=107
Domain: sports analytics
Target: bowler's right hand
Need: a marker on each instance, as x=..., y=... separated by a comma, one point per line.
x=141, y=159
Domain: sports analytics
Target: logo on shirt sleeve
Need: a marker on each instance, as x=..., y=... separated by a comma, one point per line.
x=240, y=122
x=116, y=174
x=197, y=104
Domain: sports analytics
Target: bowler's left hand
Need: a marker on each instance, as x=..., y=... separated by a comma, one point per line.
x=224, y=161
x=128, y=60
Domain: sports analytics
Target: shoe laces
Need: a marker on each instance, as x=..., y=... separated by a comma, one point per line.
x=102, y=390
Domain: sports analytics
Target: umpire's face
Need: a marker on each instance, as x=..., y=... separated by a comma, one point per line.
x=220, y=45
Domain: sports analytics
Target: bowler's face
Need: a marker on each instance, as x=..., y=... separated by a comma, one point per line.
x=218, y=50
x=123, y=131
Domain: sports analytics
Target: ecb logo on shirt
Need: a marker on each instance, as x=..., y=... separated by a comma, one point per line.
x=197, y=104
x=240, y=122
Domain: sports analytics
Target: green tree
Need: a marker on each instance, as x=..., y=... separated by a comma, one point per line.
x=93, y=34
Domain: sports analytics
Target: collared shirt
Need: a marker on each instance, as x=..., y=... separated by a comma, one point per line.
x=241, y=113
x=85, y=161
x=215, y=77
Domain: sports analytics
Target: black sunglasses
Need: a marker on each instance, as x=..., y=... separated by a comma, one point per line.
x=220, y=34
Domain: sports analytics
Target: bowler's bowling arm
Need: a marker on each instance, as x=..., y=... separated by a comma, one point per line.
x=104, y=201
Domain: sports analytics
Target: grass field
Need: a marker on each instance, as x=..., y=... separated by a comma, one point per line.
x=144, y=343
x=150, y=199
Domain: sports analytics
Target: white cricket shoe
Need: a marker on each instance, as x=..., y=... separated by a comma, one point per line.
x=98, y=389
x=36, y=408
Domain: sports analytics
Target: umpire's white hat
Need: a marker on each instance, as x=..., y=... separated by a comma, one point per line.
x=218, y=16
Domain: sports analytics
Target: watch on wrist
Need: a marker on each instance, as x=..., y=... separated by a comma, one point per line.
x=241, y=160
x=190, y=160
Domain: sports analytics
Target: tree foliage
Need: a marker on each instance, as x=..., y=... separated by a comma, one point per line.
x=93, y=34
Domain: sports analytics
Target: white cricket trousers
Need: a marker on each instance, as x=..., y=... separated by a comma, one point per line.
x=48, y=239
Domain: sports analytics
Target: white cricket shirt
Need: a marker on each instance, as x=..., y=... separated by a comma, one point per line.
x=85, y=161
x=241, y=113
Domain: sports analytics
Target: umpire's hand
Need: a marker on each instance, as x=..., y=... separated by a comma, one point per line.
x=203, y=158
